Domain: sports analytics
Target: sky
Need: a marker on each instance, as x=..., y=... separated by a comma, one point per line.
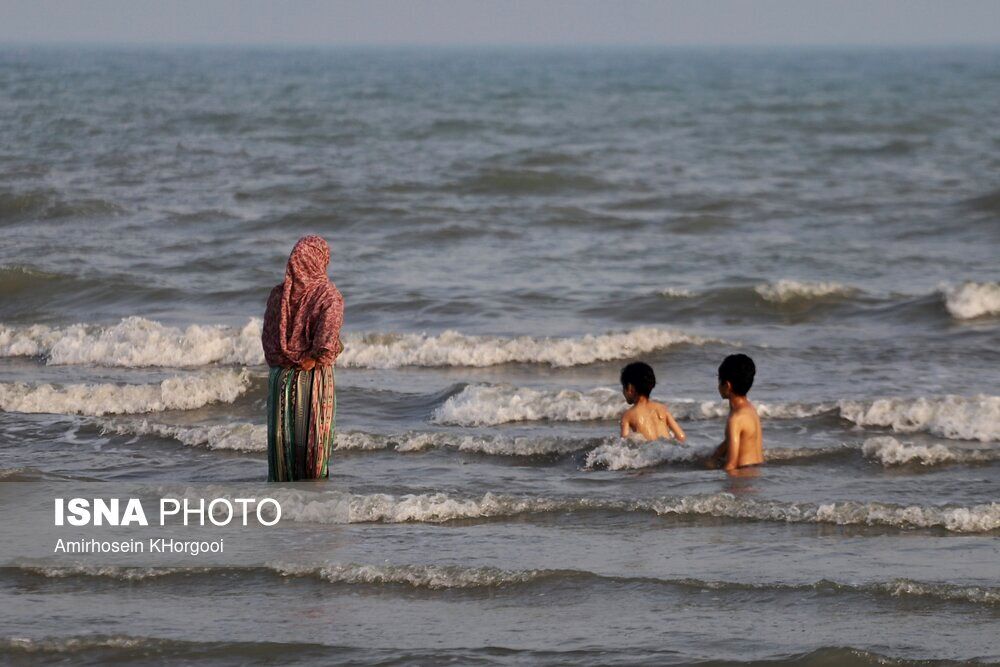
x=503, y=22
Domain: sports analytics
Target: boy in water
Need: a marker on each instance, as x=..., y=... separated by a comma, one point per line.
x=744, y=442
x=649, y=418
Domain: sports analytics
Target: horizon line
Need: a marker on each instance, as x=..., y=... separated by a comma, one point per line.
x=498, y=45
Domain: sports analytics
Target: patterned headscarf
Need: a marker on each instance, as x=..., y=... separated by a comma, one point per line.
x=304, y=312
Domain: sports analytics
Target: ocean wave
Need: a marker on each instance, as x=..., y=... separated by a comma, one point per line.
x=49, y=205
x=456, y=349
x=138, y=342
x=784, y=291
x=891, y=452
x=953, y=417
x=676, y=293
x=971, y=300
x=441, y=507
x=246, y=437
x=625, y=455
x=129, y=649
x=507, y=182
x=74, y=644
x=608, y=452
x=237, y=437
x=450, y=577
x=17, y=277
x=176, y=393
x=434, y=577
x=488, y=405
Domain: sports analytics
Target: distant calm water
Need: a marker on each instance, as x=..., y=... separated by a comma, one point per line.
x=508, y=228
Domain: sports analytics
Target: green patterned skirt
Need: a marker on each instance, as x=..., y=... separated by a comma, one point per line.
x=301, y=407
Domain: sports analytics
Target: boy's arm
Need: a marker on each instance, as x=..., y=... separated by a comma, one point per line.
x=674, y=426
x=733, y=439
x=626, y=426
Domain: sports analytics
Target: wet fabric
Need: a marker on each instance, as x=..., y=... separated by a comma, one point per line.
x=301, y=409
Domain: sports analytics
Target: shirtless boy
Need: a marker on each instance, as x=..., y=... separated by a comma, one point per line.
x=744, y=442
x=650, y=419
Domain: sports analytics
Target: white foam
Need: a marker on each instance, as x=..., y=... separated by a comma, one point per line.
x=246, y=437
x=452, y=348
x=971, y=300
x=954, y=417
x=73, y=644
x=905, y=587
x=487, y=405
x=628, y=455
x=177, y=393
x=889, y=452
x=786, y=290
x=980, y=518
x=492, y=445
x=419, y=576
x=440, y=507
x=138, y=342
x=677, y=293
x=441, y=577
x=240, y=436
x=122, y=573
x=479, y=405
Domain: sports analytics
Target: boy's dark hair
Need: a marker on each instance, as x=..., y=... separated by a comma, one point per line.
x=739, y=370
x=640, y=376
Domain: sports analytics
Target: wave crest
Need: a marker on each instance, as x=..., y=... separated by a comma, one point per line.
x=441, y=507
x=953, y=417
x=456, y=349
x=176, y=393
x=625, y=455
x=891, y=452
x=785, y=290
x=447, y=577
x=971, y=300
x=138, y=342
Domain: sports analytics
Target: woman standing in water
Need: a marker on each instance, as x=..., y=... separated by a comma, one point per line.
x=301, y=339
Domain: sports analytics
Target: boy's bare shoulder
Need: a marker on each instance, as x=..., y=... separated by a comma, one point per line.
x=744, y=414
x=629, y=412
x=659, y=407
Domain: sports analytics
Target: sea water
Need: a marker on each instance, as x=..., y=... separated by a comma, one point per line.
x=508, y=228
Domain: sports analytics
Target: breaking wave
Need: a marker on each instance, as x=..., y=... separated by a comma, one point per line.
x=625, y=455
x=971, y=300
x=138, y=342
x=953, y=417
x=784, y=291
x=246, y=437
x=487, y=405
x=891, y=452
x=885, y=450
x=455, y=349
x=176, y=393
x=441, y=507
x=135, y=342
x=446, y=577
x=609, y=452
x=238, y=437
